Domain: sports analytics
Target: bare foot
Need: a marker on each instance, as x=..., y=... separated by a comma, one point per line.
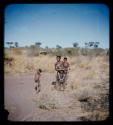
x=36, y=88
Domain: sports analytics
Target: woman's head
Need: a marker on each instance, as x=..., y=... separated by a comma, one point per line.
x=40, y=70
x=58, y=58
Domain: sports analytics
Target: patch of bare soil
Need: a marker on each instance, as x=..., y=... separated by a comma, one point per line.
x=50, y=104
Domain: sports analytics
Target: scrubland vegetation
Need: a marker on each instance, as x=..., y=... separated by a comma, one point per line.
x=88, y=82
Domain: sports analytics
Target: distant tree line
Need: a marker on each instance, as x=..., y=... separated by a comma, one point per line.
x=92, y=44
x=87, y=44
x=12, y=44
x=38, y=45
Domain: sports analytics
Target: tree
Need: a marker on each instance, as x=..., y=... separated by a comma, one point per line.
x=9, y=43
x=96, y=44
x=75, y=45
x=91, y=44
x=16, y=44
x=38, y=44
x=46, y=47
x=58, y=46
x=86, y=45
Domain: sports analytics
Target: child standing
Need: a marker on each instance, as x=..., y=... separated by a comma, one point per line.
x=66, y=67
x=37, y=80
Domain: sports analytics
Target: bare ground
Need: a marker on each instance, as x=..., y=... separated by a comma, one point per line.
x=49, y=105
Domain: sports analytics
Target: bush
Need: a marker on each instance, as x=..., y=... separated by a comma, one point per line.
x=45, y=102
x=8, y=60
x=65, y=52
x=72, y=51
x=17, y=51
x=96, y=103
x=97, y=106
x=94, y=116
x=48, y=106
x=33, y=52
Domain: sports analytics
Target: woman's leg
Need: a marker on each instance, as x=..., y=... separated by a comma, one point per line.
x=66, y=78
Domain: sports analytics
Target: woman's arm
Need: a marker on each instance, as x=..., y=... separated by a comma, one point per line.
x=55, y=67
x=37, y=77
x=69, y=66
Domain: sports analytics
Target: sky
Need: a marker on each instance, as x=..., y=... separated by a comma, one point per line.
x=57, y=24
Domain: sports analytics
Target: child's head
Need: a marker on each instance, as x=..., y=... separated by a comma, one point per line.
x=65, y=58
x=40, y=70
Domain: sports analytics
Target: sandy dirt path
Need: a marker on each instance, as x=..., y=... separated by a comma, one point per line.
x=20, y=96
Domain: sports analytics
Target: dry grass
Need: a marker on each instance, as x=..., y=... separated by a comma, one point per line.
x=95, y=116
x=23, y=63
x=45, y=102
x=30, y=64
x=86, y=73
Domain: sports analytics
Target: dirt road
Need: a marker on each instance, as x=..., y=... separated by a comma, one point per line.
x=21, y=100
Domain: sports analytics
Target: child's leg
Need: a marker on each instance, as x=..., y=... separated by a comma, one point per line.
x=36, y=86
x=39, y=86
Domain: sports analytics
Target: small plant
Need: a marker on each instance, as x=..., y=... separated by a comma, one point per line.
x=83, y=96
x=43, y=107
x=45, y=102
x=47, y=106
x=72, y=87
